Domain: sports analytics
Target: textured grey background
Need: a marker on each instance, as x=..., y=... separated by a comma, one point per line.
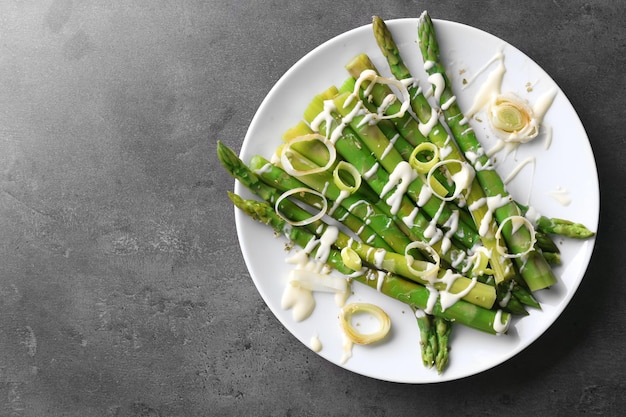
x=122, y=287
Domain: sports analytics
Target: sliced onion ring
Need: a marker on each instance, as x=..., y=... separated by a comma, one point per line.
x=459, y=185
x=427, y=273
x=480, y=261
x=286, y=148
x=350, y=169
x=351, y=259
x=374, y=78
x=533, y=237
x=420, y=166
x=311, y=219
x=513, y=119
x=345, y=319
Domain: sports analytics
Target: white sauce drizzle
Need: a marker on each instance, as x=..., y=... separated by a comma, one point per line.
x=381, y=280
x=426, y=128
x=447, y=298
x=297, y=298
x=400, y=178
x=425, y=193
x=390, y=146
x=498, y=326
x=410, y=219
x=493, y=203
x=452, y=224
x=486, y=91
x=370, y=172
x=343, y=194
x=439, y=85
x=315, y=344
x=561, y=195
x=374, y=78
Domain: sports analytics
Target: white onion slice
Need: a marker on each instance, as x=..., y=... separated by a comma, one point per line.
x=286, y=163
x=531, y=229
x=462, y=179
x=311, y=219
x=345, y=319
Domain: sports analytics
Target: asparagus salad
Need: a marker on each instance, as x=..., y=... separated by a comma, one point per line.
x=384, y=183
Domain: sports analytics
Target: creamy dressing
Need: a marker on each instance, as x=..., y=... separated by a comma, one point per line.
x=343, y=194
x=432, y=232
x=370, y=172
x=447, y=298
x=498, y=326
x=409, y=220
x=373, y=78
x=426, y=128
x=390, y=146
x=452, y=224
x=439, y=84
x=299, y=300
x=433, y=296
x=380, y=280
x=346, y=349
x=315, y=344
x=425, y=193
x=561, y=195
x=299, y=297
x=400, y=178
x=490, y=88
x=493, y=203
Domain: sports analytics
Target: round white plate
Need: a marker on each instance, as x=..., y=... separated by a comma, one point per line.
x=566, y=166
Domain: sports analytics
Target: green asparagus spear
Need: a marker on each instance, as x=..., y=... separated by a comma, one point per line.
x=442, y=330
x=428, y=338
x=564, y=228
x=533, y=267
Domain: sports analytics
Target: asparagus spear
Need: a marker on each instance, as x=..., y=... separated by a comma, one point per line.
x=428, y=338
x=409, y=292
x=533, y=267
x=563, y=227
x=442, y=330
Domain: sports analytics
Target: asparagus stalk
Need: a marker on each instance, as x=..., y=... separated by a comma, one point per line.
x=428, y=338
x=442, y=330
x=563, y=227
x=409, y=292
x=533, y=267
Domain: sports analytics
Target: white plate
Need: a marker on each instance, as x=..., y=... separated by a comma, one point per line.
x=568, y=164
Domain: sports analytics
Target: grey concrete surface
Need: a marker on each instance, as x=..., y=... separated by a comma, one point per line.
x=123, y=291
